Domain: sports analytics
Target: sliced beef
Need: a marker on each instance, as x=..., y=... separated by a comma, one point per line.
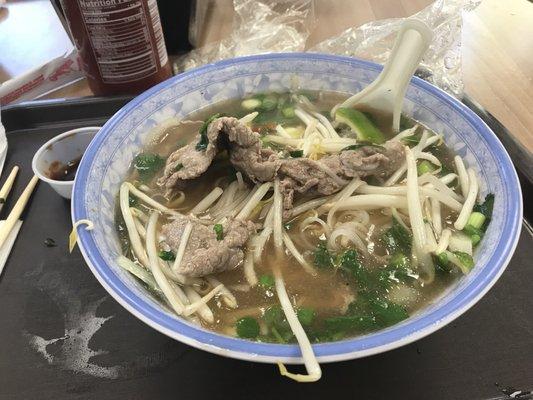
x=244, y=145
x=259, y=166
x=325, y=176
x=331, y=173
x=367, y=160
x=204, y=254
x=189, y=162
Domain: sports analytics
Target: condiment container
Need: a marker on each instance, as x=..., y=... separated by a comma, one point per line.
x=62, y=149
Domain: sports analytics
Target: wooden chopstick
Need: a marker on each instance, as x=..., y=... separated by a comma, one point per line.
x=8, y=184
x=15, y=213
x=5, y=250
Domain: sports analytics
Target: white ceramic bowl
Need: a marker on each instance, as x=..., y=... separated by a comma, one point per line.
x=64, y=148
x=108, y=159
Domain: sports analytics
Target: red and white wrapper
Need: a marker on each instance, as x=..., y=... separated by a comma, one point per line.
x=39, y=81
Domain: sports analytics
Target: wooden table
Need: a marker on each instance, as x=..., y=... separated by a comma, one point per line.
x=497, y=46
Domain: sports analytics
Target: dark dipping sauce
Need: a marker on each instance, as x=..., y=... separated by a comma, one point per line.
x=63, y=172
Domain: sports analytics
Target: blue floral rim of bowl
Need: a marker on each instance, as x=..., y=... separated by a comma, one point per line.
x=408, y=331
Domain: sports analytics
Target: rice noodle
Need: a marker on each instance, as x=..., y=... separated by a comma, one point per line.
x=265, y=210
x=431, y=243
x=296, y=254
x=423, y=259
x=277, y=216
x=311, y=142
x=306, y=102
x=140, y=228
x=429, y=157
x=148, y=200
x=139, y=272
x=207, y=201
x=179, y=197
x=139, y=214
x=179, y=292
x=249, y=271
x=181, y=279
x=306, y=223
x=443, y=241
x=261, y=239
x=370, y=202
x=403, y=190
x=309, y=205
x=469, y=202
x=439, y=185
x=159, y=277
x=203, y=310
x=240, y=205
x=260, y=242
x=463, y=175
x=135, y=239
x=398, y=217
x=302, y=115
x=311, y=364
x=182, y=246
x=395, y=177
x=240, y=287
x=332, y=132
x=349, y=234
x=424, y=142
x=240, y=180
x=447, y=179
x=327, y=145
x=404, y=133
x=342, y=195
x=311, y=128
x=312, y=124
x=233, y=207
x=227, y=297
x=254, y=200
x=193, y=307
x=226, y=198
x=413, y=201
x=145, y=188
x=436, y=217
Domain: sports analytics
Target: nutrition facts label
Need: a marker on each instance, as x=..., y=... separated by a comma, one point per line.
x=124, y=47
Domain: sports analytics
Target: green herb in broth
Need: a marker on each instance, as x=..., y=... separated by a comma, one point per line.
x=147, y=165
x=166, y=255
x=219, y=231
x=353, y=292
x=202, y=144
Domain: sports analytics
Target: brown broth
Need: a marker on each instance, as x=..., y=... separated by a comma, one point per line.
x=331, y=290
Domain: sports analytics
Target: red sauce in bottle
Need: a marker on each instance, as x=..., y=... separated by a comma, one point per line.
x=120, y=42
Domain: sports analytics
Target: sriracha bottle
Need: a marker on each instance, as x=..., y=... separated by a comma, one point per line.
x=120, y=42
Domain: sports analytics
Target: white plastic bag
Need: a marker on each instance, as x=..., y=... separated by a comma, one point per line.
x=441, y=65
x=269, y=26
x=260, y=26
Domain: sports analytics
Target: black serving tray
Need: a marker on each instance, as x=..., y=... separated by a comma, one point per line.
x=63, y=337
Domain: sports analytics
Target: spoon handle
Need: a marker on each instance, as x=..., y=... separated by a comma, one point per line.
x=411, y=44
x=387, y=91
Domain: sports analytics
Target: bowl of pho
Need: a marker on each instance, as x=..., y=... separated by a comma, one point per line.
x=233, y=210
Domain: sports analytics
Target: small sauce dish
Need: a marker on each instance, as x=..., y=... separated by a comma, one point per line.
x=57, y=160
